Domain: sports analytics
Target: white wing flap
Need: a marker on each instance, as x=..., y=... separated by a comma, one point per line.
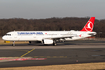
x=60, y=37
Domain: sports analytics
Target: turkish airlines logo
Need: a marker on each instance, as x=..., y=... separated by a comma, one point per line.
x=89, y=26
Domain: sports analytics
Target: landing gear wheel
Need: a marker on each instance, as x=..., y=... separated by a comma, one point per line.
x=45, y=44
x=54, y=43
x=30, y=42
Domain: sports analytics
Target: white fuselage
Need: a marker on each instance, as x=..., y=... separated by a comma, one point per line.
x=40, y=35
x=50, y=37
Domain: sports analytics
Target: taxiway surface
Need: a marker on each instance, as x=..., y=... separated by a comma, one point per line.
x=64, y=53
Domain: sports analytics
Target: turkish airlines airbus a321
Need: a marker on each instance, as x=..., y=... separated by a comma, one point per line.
x=51, y=37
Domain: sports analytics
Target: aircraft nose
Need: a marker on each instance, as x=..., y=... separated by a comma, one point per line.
x=4, y=38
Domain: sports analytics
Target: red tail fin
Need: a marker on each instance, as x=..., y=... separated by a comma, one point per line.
x=89, y=25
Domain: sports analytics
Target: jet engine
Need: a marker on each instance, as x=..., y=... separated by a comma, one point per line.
x=47, y=41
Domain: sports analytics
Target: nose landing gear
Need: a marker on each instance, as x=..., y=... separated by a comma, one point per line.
x=13, y=43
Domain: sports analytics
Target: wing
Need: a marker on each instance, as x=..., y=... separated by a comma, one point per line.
x=60, y=37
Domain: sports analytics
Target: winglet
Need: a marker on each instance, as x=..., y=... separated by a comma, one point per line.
x=89, y=25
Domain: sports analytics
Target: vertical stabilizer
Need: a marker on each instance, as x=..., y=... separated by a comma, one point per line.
x=89, y=25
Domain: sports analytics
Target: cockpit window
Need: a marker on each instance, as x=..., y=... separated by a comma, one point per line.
x=8, y=34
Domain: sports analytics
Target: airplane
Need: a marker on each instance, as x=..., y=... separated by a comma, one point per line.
x=51, y=37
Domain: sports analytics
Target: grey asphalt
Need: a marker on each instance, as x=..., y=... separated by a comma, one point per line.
x=63, y=53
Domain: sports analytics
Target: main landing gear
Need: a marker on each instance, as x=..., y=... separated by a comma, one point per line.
x=54, y=43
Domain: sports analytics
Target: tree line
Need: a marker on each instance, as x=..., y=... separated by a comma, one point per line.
x=50, y=24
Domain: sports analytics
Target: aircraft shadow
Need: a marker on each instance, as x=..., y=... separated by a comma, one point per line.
x=78, y=42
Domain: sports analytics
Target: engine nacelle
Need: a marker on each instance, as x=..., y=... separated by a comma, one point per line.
x=47, y=41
